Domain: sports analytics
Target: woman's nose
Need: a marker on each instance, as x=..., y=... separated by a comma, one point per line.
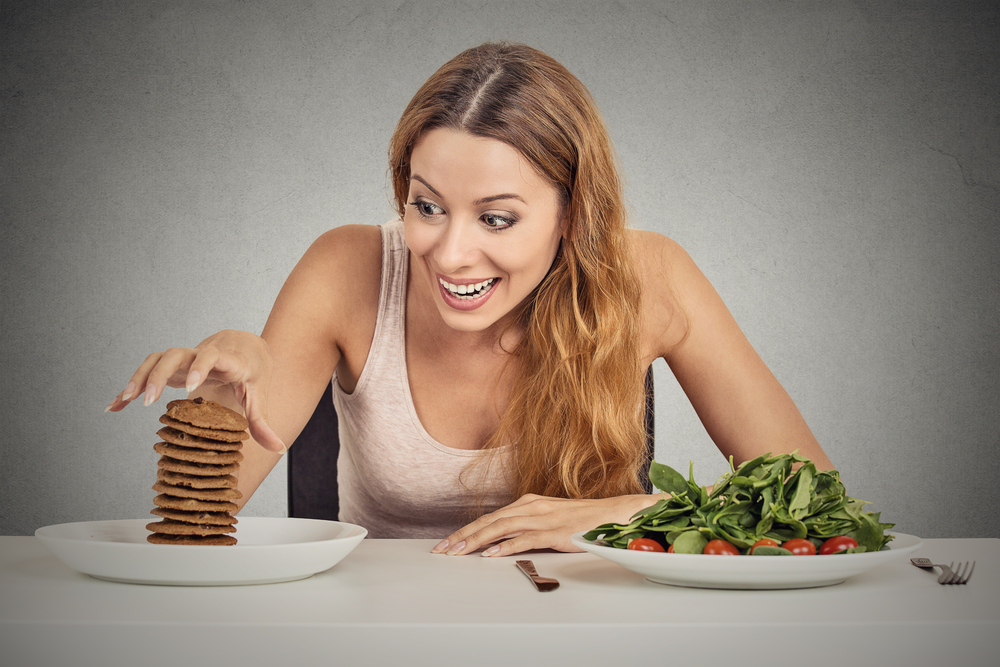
x=457, y=247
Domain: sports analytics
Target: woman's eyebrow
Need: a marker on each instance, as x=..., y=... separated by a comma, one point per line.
x=426, y=185
x=487, y=200
x=478, y=202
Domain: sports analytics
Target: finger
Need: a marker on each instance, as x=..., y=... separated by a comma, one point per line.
x=138, y=379
x=470, y=537
x=170, y=370
x=255, y=405
x=200, y=368
x=488, y=530
x=526, y=542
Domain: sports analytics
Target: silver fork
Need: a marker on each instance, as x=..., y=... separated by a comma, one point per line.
x=949, y=573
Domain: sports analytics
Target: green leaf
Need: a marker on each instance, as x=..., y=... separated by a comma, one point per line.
x=690, y=542
x=667, y=479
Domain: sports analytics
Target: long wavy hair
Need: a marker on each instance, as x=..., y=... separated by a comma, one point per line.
x=575, y=413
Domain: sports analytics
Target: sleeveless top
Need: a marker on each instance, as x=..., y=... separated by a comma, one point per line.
x=393, y=477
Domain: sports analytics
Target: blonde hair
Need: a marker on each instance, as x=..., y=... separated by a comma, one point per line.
x=575, y=412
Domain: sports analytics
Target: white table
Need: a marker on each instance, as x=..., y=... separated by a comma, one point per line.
x=393, y=602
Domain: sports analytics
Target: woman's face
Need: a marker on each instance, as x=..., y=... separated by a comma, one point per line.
x=482, y=226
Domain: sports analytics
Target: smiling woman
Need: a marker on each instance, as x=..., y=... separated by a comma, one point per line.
x=488, y=349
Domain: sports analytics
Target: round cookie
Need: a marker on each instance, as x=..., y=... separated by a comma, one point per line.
x=171, y=527
x=197, y=494
x=175, y=437
x=211, y=434
x=199, y=540
x=193, y=504
x=220, y=518
x=206, y=414
x=196, y=481
x=197, y=455
x=191, y=468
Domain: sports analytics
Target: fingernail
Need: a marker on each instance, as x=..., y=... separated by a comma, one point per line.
x=457, y=548
x=492, y=551
x=129, y=388
x=441, y=546
x=193, y=380
x=108, y=409
x=150, y=395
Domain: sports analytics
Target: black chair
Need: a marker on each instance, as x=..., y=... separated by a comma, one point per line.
x=312, y=460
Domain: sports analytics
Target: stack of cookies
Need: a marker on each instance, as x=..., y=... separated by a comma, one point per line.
x=198, y=456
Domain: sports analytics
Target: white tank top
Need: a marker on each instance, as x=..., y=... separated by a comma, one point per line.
x=393, y=477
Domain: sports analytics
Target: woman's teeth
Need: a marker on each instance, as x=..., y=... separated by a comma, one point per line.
x=467, y=291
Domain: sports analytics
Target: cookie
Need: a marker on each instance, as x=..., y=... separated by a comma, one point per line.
x=194, y=455
x=193, y=504
x=197, y=494
x=203, y=413
x=211, y=434
x=175, y=437
x=207, y=540
x=191, y=468
x=171, y=527
x=196, y=481
x=219, y=518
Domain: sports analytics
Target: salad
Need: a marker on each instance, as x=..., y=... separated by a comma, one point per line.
x=766, y=506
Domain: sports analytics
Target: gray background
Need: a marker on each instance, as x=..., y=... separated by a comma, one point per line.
x=832, y=166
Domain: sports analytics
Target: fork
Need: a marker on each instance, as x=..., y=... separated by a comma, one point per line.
x=949, y=573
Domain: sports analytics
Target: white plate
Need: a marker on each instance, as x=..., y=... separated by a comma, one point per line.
x=268, y=550
x=749, y=572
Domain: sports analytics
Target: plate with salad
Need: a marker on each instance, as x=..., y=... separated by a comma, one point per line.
x=785, y=524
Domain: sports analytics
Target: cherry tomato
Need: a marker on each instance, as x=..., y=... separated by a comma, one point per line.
x=720, y=548
x=800, y=547
x=763, y=542
x=645, y=544
x=835, y=544
x=670, y=549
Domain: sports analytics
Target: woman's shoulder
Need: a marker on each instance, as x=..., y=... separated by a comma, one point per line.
x=339, y=273
x=353, y=245
x=664, y=271
x=659, y=258
x=652, y=249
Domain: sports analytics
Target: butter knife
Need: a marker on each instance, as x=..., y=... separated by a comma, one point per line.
x=543, y=584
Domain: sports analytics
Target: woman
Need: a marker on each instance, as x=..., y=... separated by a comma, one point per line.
x=489, y=349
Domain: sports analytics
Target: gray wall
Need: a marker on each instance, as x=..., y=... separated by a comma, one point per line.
x=832, y=166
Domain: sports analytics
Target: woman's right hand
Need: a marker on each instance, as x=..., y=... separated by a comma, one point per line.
x=239, y=359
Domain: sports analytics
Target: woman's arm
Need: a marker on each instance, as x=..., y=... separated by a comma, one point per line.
x=323, y=319
x=742, y=405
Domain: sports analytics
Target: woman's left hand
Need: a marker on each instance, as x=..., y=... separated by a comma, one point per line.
x=539, y=522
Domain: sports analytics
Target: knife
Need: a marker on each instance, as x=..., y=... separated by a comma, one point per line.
x=543, y=584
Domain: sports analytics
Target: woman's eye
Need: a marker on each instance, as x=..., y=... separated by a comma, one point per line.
x=426, y=209
x=496, y=222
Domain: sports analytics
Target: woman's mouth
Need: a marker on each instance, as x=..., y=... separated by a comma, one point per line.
x=467, y=296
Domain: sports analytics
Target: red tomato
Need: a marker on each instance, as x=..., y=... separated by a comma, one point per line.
x=645, y=544
x=835, y=544
x=800, y=547
x=720, y=548
x=670, y=549
x=763, y=542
